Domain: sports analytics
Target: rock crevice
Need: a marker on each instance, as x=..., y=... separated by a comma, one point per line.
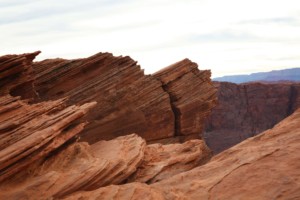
x=192, y=96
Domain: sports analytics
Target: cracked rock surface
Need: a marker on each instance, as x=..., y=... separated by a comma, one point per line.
x=55, y=115
x=78, y=129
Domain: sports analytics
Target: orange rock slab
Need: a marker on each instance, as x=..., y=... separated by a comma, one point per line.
x=164, y=161
x=30, y=132
x=192, y=95
x=263, y=167
x=127, y=100
x=76, y=167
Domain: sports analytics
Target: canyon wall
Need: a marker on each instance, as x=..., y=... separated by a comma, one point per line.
x=245, y=110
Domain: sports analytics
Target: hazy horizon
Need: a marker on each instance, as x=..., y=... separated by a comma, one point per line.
x=232, y=37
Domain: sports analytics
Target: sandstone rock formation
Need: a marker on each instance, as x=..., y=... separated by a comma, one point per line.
x=132, y=191
x=77, y=167
x=30, y=132
x=155, y=107
x=248, y=109
x=127, y=100
x=43, y=111
x=81, y=167
x=164, y=161
x=191, y=93
x=16, y=75
x=263, y=167
x=47, y=105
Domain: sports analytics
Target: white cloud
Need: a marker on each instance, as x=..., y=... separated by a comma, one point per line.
x=232, y=36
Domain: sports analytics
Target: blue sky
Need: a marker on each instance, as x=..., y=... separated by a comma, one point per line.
x=228, y=37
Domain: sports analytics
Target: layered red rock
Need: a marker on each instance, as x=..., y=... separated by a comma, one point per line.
x=78, y=166
x=248, y=109
x=97, y=97
x=263, y=167
x=16, y=75
x=31, y=132
x=132, y=191
x=192, y=95
x=128, y=101
x=164, y=161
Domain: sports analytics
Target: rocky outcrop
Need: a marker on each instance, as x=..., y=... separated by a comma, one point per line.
x=191, y=93
x=30, y=132
x=164, y=161
x=47, y=105
x=248, y=109
x=79, y=166
x=164, y=107
x=43, y=111
x=16, y=75
x=263, y=167
x=127, y=100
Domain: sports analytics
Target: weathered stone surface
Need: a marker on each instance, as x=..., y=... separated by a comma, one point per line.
x=30, y=132
x=127, y=100
x=263, y=167
x=77, y=167
x=248, y=109
x=192, y=95
x=97, y=97
x=132, y=191
x=164, y=161
x=16, y=75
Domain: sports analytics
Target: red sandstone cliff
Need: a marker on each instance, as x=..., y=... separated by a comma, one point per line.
x=46, y=106
x=244, y=110
x=127, y=100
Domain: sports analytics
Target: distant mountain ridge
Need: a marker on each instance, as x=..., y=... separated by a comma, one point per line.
x=292, y=74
